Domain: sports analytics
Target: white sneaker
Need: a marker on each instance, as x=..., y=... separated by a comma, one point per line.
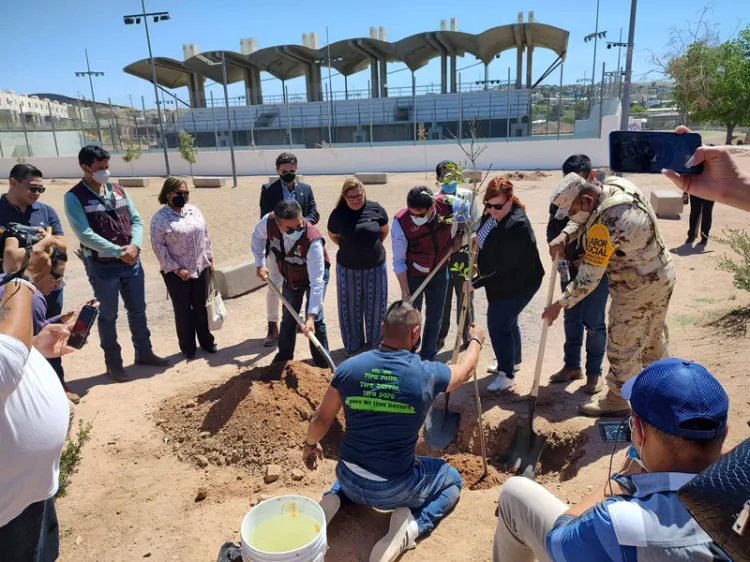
x=492, y=369
x=402, y=536
x=331, y=503
x=501, y=383
x=516, y=367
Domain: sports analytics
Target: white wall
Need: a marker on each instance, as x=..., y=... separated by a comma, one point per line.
x=527, y=155
x=42, y=143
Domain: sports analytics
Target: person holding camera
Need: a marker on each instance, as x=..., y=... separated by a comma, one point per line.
x=678, y=427
x=35, y=411
x=106, y=222
x=21, y=205
x=179, y=237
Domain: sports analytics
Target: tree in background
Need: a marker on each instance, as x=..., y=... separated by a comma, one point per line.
x=188, y=150
x=132, y=153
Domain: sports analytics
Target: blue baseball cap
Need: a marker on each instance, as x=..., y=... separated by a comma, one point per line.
x=670, y=392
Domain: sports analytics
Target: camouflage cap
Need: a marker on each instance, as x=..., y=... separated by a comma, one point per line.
x=566, y=193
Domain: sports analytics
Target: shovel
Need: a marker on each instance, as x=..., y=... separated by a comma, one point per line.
x=295, y=315
x=526, y=445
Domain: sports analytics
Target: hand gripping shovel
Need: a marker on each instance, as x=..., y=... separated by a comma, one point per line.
x=526, y=446
x=295, y=315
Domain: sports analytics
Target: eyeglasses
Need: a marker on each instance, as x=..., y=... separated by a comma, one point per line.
x=496, y=206
x=182, y=193
x=37, y=188
x=356, y=197
x=293, y=230
x=56, y=276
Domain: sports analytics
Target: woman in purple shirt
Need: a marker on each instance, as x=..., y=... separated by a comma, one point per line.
x=181, y=243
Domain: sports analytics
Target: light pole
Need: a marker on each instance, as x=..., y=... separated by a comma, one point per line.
x=625, y=112
x=595, y=36
x=136, y=19
x=91, y=74
x=327, y=61
x=619, y=44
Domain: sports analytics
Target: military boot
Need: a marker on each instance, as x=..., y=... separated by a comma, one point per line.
x=609, y=405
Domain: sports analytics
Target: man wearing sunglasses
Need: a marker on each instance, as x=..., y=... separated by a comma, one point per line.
x=298, y=250
x=22, y=205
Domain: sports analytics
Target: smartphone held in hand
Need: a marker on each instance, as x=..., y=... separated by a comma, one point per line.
x=82, y=327
x=650, y=152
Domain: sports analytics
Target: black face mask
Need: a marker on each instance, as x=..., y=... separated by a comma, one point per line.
x=179, y=201
x=288, y=177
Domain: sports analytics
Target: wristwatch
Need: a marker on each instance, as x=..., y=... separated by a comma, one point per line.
x=306, y=444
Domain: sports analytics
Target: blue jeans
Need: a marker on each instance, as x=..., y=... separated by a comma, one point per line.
x=288, y=331
x=588, y=314
x=434, y=295
x=109, y=280
x=54, y=308
x=430, y=491
x=33, y=536
x=505, y=334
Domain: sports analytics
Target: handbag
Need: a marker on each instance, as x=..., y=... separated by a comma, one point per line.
x=215, y=308
x=719, y=500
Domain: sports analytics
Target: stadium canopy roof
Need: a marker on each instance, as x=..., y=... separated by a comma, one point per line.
x=353, y=55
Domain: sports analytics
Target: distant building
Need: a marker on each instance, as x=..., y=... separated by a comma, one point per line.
x=33, y=108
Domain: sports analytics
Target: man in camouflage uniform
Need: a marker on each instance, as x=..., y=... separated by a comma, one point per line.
x=620, y=236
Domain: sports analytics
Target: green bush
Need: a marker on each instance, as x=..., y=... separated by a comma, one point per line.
x=71, y=456
x=739, y=242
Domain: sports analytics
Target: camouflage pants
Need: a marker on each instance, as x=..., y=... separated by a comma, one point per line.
x=637, y=334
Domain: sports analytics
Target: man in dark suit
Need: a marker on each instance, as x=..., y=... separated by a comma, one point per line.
x=286, y=187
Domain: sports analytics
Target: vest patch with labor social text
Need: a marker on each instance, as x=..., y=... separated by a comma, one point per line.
x=598, y=246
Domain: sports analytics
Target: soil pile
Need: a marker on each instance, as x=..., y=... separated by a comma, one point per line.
x=257, y=418
x=527, y=176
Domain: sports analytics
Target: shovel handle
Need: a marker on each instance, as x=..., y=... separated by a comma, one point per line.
x=301, y=324
x=427, y=279
x=543, y=338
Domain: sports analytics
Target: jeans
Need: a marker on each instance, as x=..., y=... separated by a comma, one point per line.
x=434, y=295
x=505, y=335
x=33, y=536
x=110, y=279
x=189, y=304
x=54, y=308
x=362, y=297
x=588, y=314
x=700, y=210
x=456, y=285
x=430, y=491
x=288, y=331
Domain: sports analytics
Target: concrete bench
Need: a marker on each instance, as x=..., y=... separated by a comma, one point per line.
x=372, y=178
x=135, y=182
x=209, y=182
x=667, y=203
x=271, y=179
x=237, y=280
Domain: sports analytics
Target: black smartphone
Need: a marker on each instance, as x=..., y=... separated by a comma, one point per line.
x=614, y=431
x=85, y=321
x=649, y=152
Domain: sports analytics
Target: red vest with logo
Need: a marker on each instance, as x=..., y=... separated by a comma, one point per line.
x=109, y=219
x=293, y=265
x=429, y=242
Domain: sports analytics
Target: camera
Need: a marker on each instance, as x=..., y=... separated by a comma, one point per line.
x=27, y=236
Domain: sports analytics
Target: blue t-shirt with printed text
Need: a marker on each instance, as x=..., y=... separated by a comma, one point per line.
x=386, y=396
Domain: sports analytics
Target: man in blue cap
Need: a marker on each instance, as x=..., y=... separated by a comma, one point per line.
x=679, y=424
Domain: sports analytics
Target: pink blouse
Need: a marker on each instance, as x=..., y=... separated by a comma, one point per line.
x=180, y=240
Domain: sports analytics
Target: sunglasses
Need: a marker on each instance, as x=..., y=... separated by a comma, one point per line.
x=293, y=230
x=37, y=188
x=496, y=206
x=55, y=276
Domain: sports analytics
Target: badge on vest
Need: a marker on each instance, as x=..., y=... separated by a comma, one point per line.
x=598, y=246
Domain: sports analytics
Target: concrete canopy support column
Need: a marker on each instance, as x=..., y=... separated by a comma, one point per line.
x=375, y=83
x=314, y=82
x=383, y=78
x=197, y=91
x=443, y=74
x=454, y=74
x=253, y=88
x=529, y=59
x=519, y=68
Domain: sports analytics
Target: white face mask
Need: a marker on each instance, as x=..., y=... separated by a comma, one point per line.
x=101, y=176
x=419, y=221
x=294, y=236
x=581, y=217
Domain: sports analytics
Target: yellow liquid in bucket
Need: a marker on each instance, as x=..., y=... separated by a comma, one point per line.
x=285, y=532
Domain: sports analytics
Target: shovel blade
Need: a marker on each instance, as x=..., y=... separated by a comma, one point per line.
x=525, y=450
x=440, y=427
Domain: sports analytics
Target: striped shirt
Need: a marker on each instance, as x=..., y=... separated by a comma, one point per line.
x=485, y=230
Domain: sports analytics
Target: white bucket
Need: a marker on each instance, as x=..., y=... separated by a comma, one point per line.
x=314, y=551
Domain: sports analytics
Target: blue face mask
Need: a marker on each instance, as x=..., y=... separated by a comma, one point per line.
x=450, y=187
x=294, y=236
x=633, y=452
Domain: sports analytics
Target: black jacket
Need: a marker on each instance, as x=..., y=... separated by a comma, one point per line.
x=509, y=261
x=574, y=250
x=271, y=194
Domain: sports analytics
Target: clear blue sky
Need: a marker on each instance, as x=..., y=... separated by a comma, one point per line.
x=43, y=41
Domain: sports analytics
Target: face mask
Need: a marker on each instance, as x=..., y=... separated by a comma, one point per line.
x=101, y=176
x=581, y=217
x=179, y=201
x=633, y=452
x=288, y=177
x=294, y=236
x=419, y=221
x=450, y=187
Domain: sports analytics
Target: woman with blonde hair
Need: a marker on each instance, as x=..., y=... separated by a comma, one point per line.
x=180, y=240
x=510, y=272
x=358, y=227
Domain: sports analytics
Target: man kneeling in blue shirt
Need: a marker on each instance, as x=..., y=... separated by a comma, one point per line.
x=679, y=424
x=386, y=394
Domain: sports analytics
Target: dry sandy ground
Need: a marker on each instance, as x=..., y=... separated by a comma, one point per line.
x=133, y=498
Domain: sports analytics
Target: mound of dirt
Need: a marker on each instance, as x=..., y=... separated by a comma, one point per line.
x=257, y=418
x=470, y=467
x=536, y=175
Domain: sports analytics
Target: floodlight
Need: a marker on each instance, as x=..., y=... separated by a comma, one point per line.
x=129, y=21
x=137, y=20
x=164, y=17
x=156, y=19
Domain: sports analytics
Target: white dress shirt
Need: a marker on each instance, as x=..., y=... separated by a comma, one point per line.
x=314, y=261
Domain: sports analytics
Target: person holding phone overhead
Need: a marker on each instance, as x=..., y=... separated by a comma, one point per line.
x=621, y=238
x=358, y=227
x=180, y=240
